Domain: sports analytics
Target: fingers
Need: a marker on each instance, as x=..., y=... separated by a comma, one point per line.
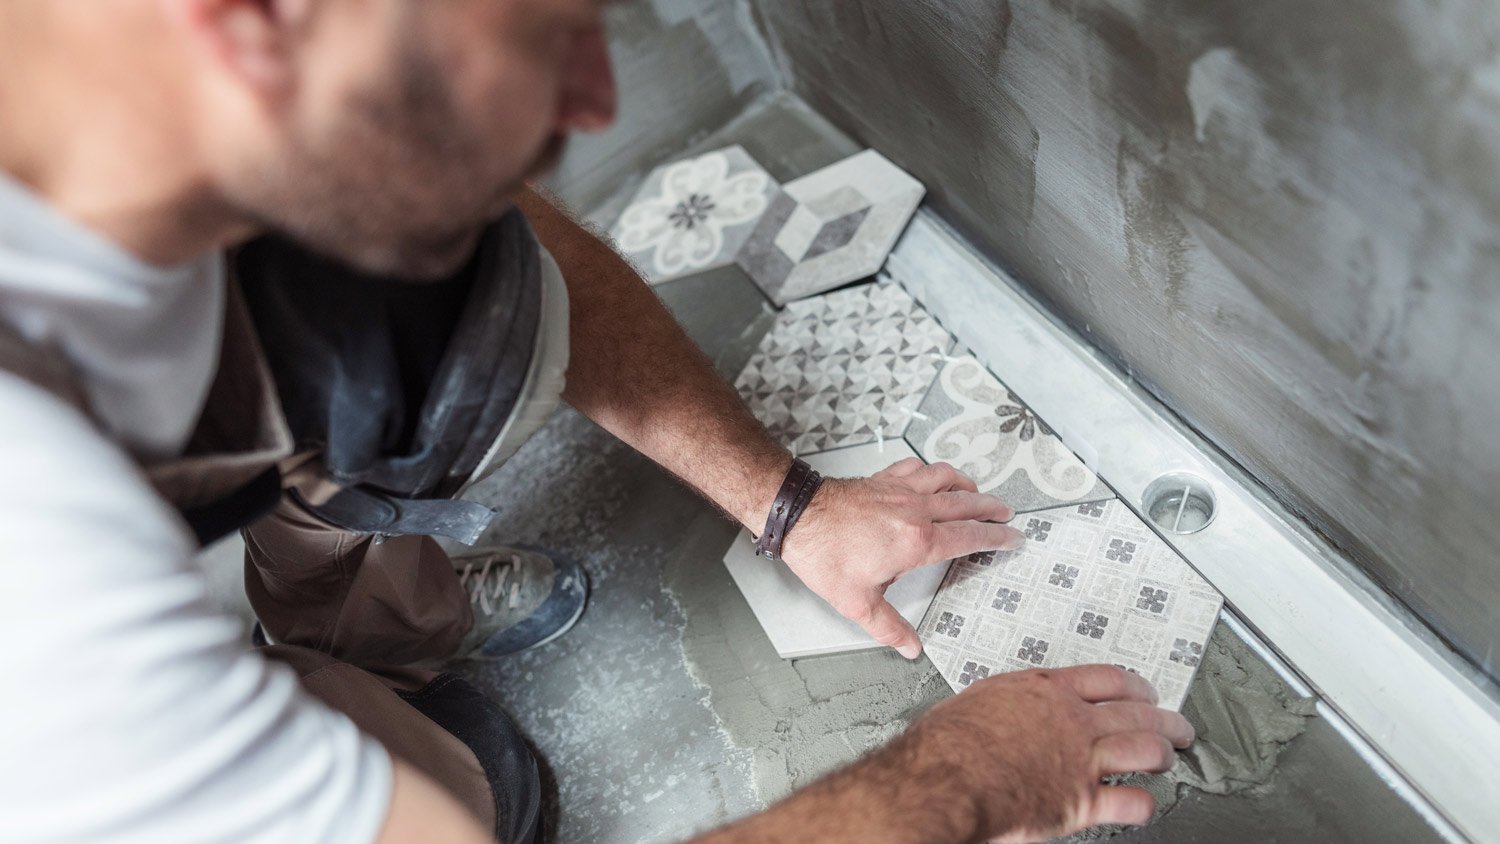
x=1130, y=716
x=939, y=477
x=1121, y=804
x=1123, y=753
x=1097, y=683
x=959, y=539
x=887, y=627
x=964, y=506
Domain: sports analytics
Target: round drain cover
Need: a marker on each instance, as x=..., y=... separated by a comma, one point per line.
x=1179, y=502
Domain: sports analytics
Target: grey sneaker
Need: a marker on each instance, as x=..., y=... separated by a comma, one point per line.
x=521, y=599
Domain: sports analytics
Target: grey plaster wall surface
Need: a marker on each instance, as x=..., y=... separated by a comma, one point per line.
x=1282, y=217
x=683, y=68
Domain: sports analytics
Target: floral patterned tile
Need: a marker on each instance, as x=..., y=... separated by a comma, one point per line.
x=844, y=369
x=976, y=423
x=831, y=227
x=694, y=215
x=798, y=622
x=1092, y=584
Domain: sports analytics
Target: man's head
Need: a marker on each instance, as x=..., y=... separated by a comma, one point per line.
x=385, y=132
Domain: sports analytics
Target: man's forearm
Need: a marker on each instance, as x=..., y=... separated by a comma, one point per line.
x=1023, y=754
x=890, y=795
x=639, y=376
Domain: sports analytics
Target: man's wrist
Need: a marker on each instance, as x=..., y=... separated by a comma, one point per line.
x=797, y=489
x=950, y=809
x=763, y=481
x=899, y=793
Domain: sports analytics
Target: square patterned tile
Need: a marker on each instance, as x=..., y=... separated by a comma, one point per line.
x=694, y=215
x=976, y=423
x=844, y=369
x=1092, y=584
x=831, y=227
x=798, y=622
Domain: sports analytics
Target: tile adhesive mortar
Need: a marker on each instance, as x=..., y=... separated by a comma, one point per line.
x=802, y=718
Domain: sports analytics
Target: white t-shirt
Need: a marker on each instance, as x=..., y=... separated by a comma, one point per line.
x=130, y=710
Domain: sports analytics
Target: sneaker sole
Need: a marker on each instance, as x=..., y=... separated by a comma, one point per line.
x=577, y=614
x=481, y=655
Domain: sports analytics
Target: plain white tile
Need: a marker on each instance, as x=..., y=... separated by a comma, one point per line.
x=798, y=622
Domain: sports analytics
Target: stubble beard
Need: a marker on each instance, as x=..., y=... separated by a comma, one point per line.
x=399, y=156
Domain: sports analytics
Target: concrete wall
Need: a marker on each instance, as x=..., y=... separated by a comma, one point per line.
x=684, y=68
x=1281, y=216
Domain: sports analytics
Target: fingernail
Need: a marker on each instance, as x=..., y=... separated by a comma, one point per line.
x=1017, y=539
x=911, y=651
x=1009, y=512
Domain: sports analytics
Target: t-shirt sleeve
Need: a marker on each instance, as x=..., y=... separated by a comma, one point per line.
x=130, y=709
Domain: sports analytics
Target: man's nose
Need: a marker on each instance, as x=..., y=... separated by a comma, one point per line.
x=588, y=91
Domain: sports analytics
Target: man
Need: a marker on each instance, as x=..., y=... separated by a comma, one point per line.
x=140, y=139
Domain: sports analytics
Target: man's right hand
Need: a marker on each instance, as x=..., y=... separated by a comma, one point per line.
x=1016, y=757
x=860, y=534
x=1031, y=749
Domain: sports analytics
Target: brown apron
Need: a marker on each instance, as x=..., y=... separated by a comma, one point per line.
x=230, y=462
x=323, y=589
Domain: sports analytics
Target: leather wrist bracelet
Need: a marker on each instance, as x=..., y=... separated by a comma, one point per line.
x=796, y=493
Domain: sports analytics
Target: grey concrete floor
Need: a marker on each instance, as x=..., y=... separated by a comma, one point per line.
x=666, y=710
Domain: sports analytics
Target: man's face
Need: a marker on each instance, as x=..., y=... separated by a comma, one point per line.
x=415, y=122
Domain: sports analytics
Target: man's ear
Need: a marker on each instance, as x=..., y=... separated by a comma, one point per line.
x=251, y=39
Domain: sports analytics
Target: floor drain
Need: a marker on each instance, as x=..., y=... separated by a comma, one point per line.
x=1179, y=503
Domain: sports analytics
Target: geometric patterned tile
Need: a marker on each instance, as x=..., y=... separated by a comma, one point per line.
x=844, y=369
x=1092, y=584
x=976, y=423
x=830, y=227
x=694, y=215
x=796, y=620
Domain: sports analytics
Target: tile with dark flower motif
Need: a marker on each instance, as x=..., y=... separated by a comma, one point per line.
x=1092, y=584
x=973, y=421
x=831, y=227
x=694, y=215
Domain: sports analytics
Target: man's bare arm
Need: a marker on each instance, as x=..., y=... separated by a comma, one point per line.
x=639, y=376
x=1016, y=756
x=636, y=373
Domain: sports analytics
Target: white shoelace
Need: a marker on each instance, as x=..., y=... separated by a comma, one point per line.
x=484, y=588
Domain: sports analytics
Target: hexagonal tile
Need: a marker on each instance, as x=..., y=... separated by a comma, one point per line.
x=844, y=369
x=831, y=227
x=974, y=421
x=695, y=214
x=798, y=622
x=1091, y=584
